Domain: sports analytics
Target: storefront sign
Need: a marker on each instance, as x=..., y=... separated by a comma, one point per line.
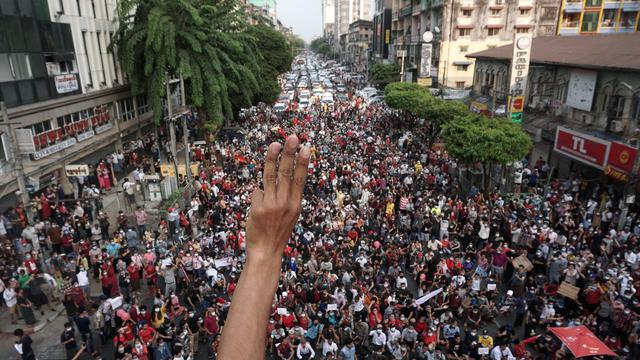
x=582, y=147
x=66, y=83
x=54, y=148
x=426, y=82
x=519, y=73
x=85, y=135
x=102, y=128
x=611, y=172
x=622, y=157
x=77, y=170
x=425, y=64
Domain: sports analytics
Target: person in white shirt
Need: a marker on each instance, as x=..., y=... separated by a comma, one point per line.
x=393, y=334
x=9, y=296
x=305, y=351
x=378, y=338
x=83, y=282
x=501, y=352
x=329, y=346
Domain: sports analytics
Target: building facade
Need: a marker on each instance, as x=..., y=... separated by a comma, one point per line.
x=328, y=18
x=460, y=27
x=381, y=31
x=574, y=90
x=598, y=17
x=269, y=7
x=62, y=85
x=347, y=12
x=357, y=47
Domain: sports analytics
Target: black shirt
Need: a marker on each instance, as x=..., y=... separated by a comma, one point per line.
x=67, y=335
x=84, y=324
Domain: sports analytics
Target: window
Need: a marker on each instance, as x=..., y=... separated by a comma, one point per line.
x=466, y=13
x=464, y=49
x=66, y=67
x=39, y=128
x=464, y=32
x=593, y=3
x=589, y=22
x=609, y=17
x=127, y=111
x=459, y=84
x=79, y=8
x=143, y=105
x=522, y=30
x=462, y=67
x=495, y=12
x=628, y=19
x=494, y=31
x=525, y=12
x=635, y=108
x=86, y=51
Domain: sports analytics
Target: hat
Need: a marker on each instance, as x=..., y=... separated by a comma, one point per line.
x=510, y=292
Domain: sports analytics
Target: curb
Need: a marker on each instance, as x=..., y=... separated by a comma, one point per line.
x=30, y=330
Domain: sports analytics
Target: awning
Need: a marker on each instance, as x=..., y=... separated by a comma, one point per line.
x=523, y=26
x=495, y=26
x=462, y=62
x=467, y=7
x=465, y=26
x=496, y=7
x=525, y=7
x=581, y=341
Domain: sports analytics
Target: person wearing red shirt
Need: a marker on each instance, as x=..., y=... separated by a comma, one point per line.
x=147, y=333
x=287, y=320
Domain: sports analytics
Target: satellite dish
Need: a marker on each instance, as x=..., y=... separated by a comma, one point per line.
x=427, y=36
x=436, y=29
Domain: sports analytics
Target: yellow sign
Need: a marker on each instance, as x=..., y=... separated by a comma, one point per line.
x=517, y=103
x=168, y=170
x=426, y=81
x=387, y=36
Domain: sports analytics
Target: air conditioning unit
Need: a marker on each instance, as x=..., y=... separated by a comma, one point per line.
x=616, y=126
x=587, y=119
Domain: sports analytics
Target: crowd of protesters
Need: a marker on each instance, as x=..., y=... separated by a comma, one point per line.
x=384, y=222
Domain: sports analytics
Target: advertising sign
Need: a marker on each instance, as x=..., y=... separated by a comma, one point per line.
x=519, y=72
x=77, y=170
x=66, y=83
x=620, y=161
x=582, y=87
x=582, y=147
x=425, y=64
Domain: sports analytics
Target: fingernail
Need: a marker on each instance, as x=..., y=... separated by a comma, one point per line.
x=305, y=152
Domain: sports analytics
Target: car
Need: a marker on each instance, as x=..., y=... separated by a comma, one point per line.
x=231, y=133
x=341, y=88
x=327, y=98
x=279, y=107
x=303, y=103
x=375, y=100
x=283, y=98
x=342, y=97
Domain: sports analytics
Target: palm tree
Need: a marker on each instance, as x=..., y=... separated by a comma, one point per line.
x=201, y=40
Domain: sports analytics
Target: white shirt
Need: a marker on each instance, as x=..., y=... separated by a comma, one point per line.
x=378, y=339
x=326, y=347
x=9, y=296
x=83, y=279
x=499, y=354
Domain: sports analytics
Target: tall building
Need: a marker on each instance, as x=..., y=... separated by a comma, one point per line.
x=328, y=17
x=598, y=17
x=347, y=12
x=358, y=43
x=269, y=6
x=460, y=27
x=64, y=90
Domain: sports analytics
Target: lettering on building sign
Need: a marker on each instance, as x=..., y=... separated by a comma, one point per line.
x=519, y=73
x=77, y=170
x=102, y=128
x=85, y=135
x=54, y=148
x=578, y=144
x=615, y=174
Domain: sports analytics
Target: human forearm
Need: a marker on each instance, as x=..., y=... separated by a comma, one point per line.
x=243, y=335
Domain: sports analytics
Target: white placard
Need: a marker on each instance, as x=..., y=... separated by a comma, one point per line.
x=429, y=296
x=224, y=262
x=333, y=307
x=282, y=311
x=491, y=287
x=66, y=83
x=116, y=302
x=85, y=135
x=483, y=351
x=582, y=87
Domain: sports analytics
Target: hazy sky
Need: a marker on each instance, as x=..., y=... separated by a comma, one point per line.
x=305, y=16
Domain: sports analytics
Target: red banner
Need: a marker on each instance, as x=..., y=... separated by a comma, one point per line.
x=582, y=147
x=622, y=157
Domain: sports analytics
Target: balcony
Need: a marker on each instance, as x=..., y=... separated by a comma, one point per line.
x=525, y=4
x=494, y=21
x=608, y=29
x=630, y=5
x=608, y=4
x=573, y=7
x=406, y=11
x=568, y=30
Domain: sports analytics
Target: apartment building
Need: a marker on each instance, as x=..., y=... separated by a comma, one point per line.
x=578, y=17
x=357, y=47
x=381, y=31
x=328, y=18
x=60, y=82
x=269, y=7
x=460, y=27
x=347, y=12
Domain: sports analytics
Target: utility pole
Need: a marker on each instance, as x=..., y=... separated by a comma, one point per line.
x=172, y=129
x=185, y=136
x=17, y=162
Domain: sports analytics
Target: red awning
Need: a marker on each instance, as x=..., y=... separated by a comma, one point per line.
x=581, y=341
x=465, y=26
x=495, y=26
x=467, y=7
x=523, y=26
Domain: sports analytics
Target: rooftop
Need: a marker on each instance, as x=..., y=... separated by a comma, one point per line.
x=603, y=51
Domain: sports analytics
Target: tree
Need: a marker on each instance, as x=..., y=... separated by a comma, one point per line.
x=383, y=74
x=201, y=40
x=275, y=57
x=474, y=139
x=322, y=46
x=409, y=97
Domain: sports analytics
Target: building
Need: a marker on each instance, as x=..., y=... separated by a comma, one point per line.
x=328, y=18
x=460, y=27
x=598, y=17
x=269, y=7
x=588, y=87
x=357, y=47
x=60, y=82
x=381, y=31
x=347, y=12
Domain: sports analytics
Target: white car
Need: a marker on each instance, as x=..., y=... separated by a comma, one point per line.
x=303, y=103
x=279, y=107
x=327, y=98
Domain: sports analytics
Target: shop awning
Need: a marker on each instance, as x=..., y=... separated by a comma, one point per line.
x=495, y=26
x=465, y=26
x=523, y=26
x=462, y=62
x=581, y=341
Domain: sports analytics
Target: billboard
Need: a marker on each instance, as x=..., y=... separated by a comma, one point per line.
x=519, y=71
x=582, y=87
x=582, y=147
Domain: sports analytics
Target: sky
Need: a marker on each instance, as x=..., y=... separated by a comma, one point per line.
x=305, y=16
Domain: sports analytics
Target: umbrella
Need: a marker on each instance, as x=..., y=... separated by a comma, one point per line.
x=581, y=341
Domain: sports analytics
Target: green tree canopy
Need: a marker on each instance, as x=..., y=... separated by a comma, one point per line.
x=407, y=96
x=383, y=74
x=202, y=40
